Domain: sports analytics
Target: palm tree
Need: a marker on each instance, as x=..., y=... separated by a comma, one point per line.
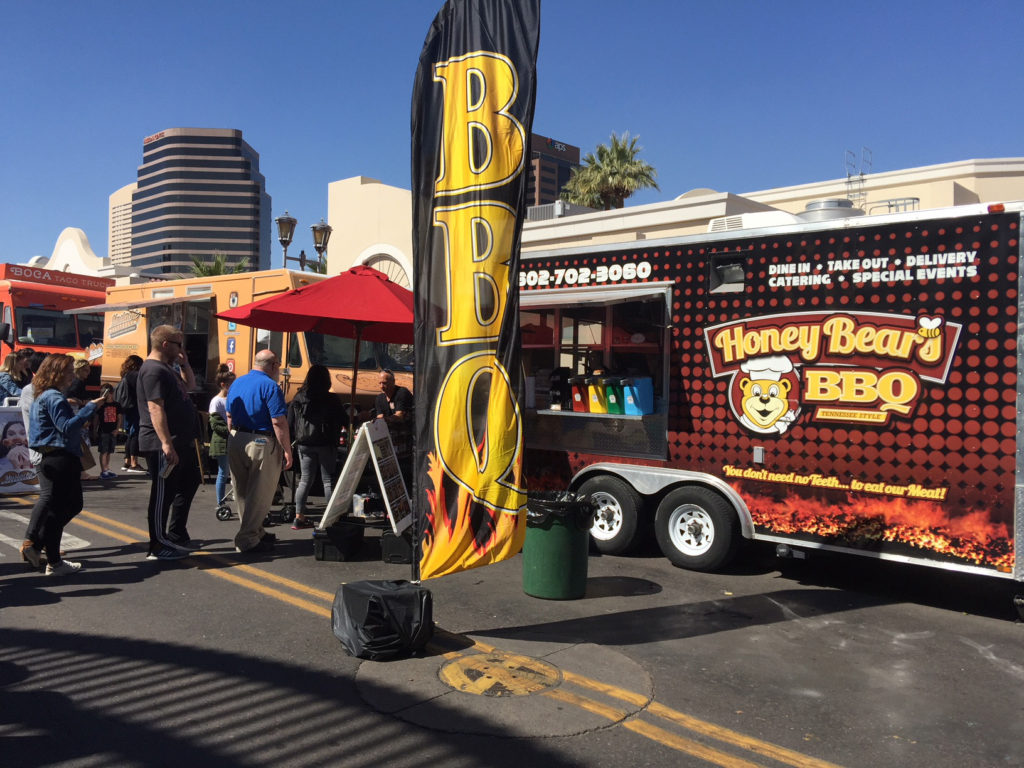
x=605, y=181
x=203, y=268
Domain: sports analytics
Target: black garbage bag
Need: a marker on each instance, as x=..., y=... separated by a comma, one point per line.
x=380, y=620
x=572, y=507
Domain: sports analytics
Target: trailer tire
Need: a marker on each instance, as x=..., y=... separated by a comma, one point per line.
x=696, y=528
x=616, y=527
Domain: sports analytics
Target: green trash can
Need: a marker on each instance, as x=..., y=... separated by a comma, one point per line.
x=557, y=545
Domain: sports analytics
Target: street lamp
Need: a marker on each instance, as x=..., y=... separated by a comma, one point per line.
x=321, y=234
x=285, y=230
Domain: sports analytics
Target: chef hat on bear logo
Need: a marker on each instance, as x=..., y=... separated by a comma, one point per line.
x=772, y=367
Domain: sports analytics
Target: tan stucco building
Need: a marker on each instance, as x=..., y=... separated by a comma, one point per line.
x=373, y=221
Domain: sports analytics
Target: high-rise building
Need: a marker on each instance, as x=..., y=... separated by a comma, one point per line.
x=200, y=193
x=119, y=247
x=551, y=164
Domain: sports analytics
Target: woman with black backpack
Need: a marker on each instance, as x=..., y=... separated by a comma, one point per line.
x=126, y=397
x=315, y=418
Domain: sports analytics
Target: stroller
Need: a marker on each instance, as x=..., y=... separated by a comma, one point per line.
x=285, y=515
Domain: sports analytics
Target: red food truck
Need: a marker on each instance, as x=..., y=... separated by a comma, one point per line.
x=32, y=305
x=849, y=385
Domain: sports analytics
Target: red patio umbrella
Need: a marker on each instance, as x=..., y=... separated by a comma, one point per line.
x=361, y=303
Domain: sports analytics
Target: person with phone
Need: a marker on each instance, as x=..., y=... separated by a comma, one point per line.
x=167, y=434
x=55, y=431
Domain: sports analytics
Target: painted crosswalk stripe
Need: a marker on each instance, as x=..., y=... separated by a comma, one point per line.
x=68, y=541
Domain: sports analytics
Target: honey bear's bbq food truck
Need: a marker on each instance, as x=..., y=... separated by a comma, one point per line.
x=850, y=385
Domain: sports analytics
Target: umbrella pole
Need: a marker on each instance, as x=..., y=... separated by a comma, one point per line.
x=355, y=375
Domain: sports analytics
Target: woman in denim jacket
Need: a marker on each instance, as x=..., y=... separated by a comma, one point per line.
x=12, y=375
x=56, y=432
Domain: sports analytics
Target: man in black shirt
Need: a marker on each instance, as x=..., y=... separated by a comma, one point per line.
x=394, y=404
x=167, y=433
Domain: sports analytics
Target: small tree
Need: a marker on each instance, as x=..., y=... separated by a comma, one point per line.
x=610, y=176
x=203, y=268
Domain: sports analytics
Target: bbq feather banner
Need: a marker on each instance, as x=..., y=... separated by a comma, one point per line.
x=472, y=114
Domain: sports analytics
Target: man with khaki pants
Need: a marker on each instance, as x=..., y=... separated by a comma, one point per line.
x=258, y=449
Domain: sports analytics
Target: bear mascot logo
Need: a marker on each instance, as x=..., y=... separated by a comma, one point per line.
x=767, y=393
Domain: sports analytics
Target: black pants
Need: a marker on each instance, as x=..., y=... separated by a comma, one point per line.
x=60, y=482
x=34, y=532
x=170, y=498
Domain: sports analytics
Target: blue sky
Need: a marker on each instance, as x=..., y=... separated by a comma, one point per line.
x=736, y=96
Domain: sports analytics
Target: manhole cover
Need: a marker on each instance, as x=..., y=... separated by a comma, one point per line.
x=499, y=674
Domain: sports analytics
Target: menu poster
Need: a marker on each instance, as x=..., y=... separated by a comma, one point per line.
x=373, y=441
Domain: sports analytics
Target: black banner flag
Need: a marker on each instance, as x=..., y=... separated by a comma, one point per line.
x=472, y=113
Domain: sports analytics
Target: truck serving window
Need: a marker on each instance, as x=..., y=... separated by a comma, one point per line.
x=335, y=352
x=46, y=327
x=618, y=335
x=90, y=329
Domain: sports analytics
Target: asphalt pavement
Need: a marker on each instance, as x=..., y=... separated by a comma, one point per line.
x=228, y=660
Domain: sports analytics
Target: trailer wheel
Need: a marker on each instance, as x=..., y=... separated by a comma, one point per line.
x=615, y=530
x=696, y=529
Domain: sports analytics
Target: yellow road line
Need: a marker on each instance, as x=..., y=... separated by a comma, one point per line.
x=647, y=730
x=718, y=732
x=609, y=713
x=298, y=586
x=144, y=535
x=298, y=602
x=636, y=699
x=105, y=531
x=728, y=736
x=689, y=746
x=117, y=523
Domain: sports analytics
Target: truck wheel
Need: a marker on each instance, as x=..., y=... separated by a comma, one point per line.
x=696, y=529
x=615, y=530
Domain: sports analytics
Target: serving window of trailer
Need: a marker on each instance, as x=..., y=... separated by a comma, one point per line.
x=195, y=319
x=617, y=334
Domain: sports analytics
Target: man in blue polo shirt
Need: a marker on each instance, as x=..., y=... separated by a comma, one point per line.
x=259, y=448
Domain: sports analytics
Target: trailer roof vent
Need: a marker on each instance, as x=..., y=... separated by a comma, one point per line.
x=725, y=223
x=828, y=209
x=751, y=221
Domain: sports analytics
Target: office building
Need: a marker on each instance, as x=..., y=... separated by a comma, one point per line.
x=119, y=248
x=551, y=164
x=200, y=193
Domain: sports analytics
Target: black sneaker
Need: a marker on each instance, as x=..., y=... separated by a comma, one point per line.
x=263, y=548
x=192, y=545
x=167, y=553
x=269, y=537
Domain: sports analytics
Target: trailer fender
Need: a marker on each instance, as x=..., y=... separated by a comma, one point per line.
x=655, y=481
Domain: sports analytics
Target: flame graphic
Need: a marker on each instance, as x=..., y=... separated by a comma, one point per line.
x=464, y=535
x=866, y=523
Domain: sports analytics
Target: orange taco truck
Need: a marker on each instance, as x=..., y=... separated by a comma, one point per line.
x=192, y=303
x=33, y=302
x=849, y=385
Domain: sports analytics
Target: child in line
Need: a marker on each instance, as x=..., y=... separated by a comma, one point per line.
x=109, y=425
x=219, y=430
